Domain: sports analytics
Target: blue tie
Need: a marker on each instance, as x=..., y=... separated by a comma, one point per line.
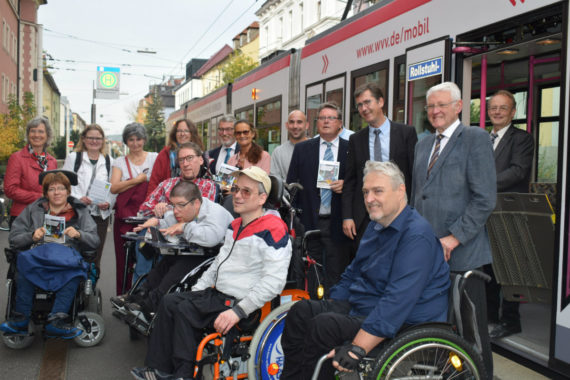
x=228, y=153
x=326, y=194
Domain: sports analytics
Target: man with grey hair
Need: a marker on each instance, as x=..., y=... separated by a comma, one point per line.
x=229, y=147
x=454, y=187
x=297, y=127
x=399, y=276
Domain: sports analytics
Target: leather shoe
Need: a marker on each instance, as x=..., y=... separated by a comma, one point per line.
x=504, y=330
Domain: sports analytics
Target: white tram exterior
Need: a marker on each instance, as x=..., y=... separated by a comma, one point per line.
x=407, y=46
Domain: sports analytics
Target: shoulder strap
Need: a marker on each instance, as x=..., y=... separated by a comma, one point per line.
x=78, y=158
x=129, y=167
x=108, y=164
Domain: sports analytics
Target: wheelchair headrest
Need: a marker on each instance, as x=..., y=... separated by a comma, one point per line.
x=276, y=194
x=72, y=176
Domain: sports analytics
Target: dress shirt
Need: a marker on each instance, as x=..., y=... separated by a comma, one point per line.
x=446, y=136
x=322, y=149
x=500, y=133
x=384, y=140
x=222, y=155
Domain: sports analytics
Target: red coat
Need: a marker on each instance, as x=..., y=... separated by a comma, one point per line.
x=21, y=182
x=160, y=170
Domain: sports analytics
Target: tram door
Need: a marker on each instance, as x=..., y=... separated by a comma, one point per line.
x=426, y=65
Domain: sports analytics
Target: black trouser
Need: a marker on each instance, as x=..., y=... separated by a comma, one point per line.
x=177, y=329
x=168, y=272
x=102, y=225
x=312, y=329
x=495, y=302
x=476, y=291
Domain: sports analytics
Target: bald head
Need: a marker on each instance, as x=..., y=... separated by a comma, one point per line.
x=297, y=126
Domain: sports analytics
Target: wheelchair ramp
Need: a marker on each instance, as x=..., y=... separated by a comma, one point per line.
x=521, y=232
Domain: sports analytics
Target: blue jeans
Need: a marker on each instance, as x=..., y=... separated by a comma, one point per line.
x=25, y=291
x=143, y=265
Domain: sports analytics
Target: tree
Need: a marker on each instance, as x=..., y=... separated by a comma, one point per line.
x=59, y=149
x=13, y=124
x=237, y=65
x=154, y=122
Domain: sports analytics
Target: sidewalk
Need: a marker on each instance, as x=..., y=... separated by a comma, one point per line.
x=506, y=369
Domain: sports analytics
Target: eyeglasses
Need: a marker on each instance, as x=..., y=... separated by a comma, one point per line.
x=56, y=189
x=183, y=132
x=180, y=206
x=226, y=130
x=499, y=108
x=189, y=158
x=431, y=107
x=239, y=133
x=366, y=103
x=329, y=118
x=245, y=192
x=89, y=138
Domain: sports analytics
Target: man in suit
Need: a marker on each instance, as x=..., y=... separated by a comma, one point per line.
x=383, y=138
x=454, y=187
x=219, y=156
x=513, y=150
x=322, y=207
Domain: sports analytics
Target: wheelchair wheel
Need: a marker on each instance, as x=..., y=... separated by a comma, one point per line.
x=266, y=354
x=97, y=327
x=429, y=353
x=19, y=342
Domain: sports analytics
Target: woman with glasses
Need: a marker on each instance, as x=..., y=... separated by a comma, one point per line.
x=166, y=166
x=250, y=154
x=93, y=167
x=129, y=179
x=24, y=167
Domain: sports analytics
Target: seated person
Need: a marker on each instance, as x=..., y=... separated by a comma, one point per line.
x=399, y=277
x=199, y=221
x=249, y=271
x=189, y=156
x=27, y=230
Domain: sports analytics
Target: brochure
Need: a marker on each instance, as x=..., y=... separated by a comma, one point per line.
x=224, y=176
x=99, y=191
x=328, y=173
x=54, y=225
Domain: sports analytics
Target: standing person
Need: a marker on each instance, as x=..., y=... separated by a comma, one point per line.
x=381, y=140
x=229, y=147
x=90, y=161
x=297, y=127
x=24, y=167
x=454, y=186
x=322, y=207
x=513, y=150
x=129, y=179
x=249, y=154
x=166, y=165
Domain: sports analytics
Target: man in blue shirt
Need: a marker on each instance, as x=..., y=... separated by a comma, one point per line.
x=398, y=277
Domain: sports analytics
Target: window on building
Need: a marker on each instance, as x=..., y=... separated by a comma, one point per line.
x=14, y=48
x=301, y=16
x=6, y=30
x=281, y=36
x=291, y=34
x=318, y=10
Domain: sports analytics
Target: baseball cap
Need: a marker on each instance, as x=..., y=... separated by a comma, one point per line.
x=256, y=174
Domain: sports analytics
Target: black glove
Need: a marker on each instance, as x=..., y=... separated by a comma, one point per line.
x=346, y=360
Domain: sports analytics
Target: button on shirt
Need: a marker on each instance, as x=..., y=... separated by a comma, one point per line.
x=446, y=136
x=384, y=140
x=222, y=155
x=500, y=133
x=322, y=149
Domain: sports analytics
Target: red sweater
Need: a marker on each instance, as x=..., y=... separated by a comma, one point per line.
x=160, y=170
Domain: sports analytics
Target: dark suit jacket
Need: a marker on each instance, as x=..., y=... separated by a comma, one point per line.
x=513, y=161
x=304, y=169
x=403, y=139
x=459, y=194
x=213, y=155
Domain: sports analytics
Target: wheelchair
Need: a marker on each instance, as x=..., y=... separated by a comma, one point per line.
x=85, y=312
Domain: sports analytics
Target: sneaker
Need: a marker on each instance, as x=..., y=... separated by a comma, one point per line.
x=15, y=326
x=120, y=301
x=147, y=373
x=58, y=328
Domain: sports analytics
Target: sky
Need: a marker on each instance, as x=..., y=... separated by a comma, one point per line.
x=80, y=35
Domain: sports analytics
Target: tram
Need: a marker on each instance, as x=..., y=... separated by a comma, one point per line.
x=407, y=46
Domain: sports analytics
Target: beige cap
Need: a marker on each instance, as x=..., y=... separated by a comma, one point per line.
x=256, y=174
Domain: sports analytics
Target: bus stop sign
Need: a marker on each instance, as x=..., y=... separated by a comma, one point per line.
x=108, y=80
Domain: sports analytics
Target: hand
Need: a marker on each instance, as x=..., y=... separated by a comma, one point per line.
x=336, y=186
x=141, y=178
x=175, y=229
x=149, y=223
x=449, y=243
x=160, y=209
x=72, y=233
x=103, y=206
x=349, y=228
x=225, y=321
x=347, y=357
x=39, y=234
x=85, y=200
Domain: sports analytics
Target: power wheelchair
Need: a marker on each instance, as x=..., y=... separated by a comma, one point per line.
x=85, y=312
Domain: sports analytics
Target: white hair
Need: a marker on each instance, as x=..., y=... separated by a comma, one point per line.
x=387, y=168
x=448, y=87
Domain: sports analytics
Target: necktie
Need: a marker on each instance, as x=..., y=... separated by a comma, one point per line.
x=228, y=153
x=377, y=146
x=493, y=138
x=435, y=153
x=326, y=194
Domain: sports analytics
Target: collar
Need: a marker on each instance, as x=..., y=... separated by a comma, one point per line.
x=384, y=128
x=334, y=142
x=501, y=132
x=449, y=130
x=399, y=223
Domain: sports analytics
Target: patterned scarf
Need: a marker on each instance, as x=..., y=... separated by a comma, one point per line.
x=41, y=158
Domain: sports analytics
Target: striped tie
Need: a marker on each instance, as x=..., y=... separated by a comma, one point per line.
x=326, y=194
x=493, y=138
x=377, y=146
x=435, y=153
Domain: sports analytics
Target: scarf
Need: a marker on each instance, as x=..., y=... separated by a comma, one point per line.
x=41, y=158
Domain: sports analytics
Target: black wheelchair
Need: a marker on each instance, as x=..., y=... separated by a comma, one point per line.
x=85, y=312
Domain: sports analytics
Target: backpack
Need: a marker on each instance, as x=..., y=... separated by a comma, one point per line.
x=79, y=157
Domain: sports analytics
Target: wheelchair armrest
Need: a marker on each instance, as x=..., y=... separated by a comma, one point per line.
x=309, y=236
x=89, y=255
x=11, y=255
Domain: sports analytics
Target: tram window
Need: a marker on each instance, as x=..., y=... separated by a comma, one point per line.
x=547, y=151
x=515, y=72
x=398, y=110
x=336, y=97
x=550, y=102
x=244, y=114
x=313, y=103
x=380, y=78
x=269, y=138
x=269, y=125
x=418, y=118
x=204, y=129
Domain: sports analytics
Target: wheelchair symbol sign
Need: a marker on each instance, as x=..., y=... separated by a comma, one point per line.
x=108, y=80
